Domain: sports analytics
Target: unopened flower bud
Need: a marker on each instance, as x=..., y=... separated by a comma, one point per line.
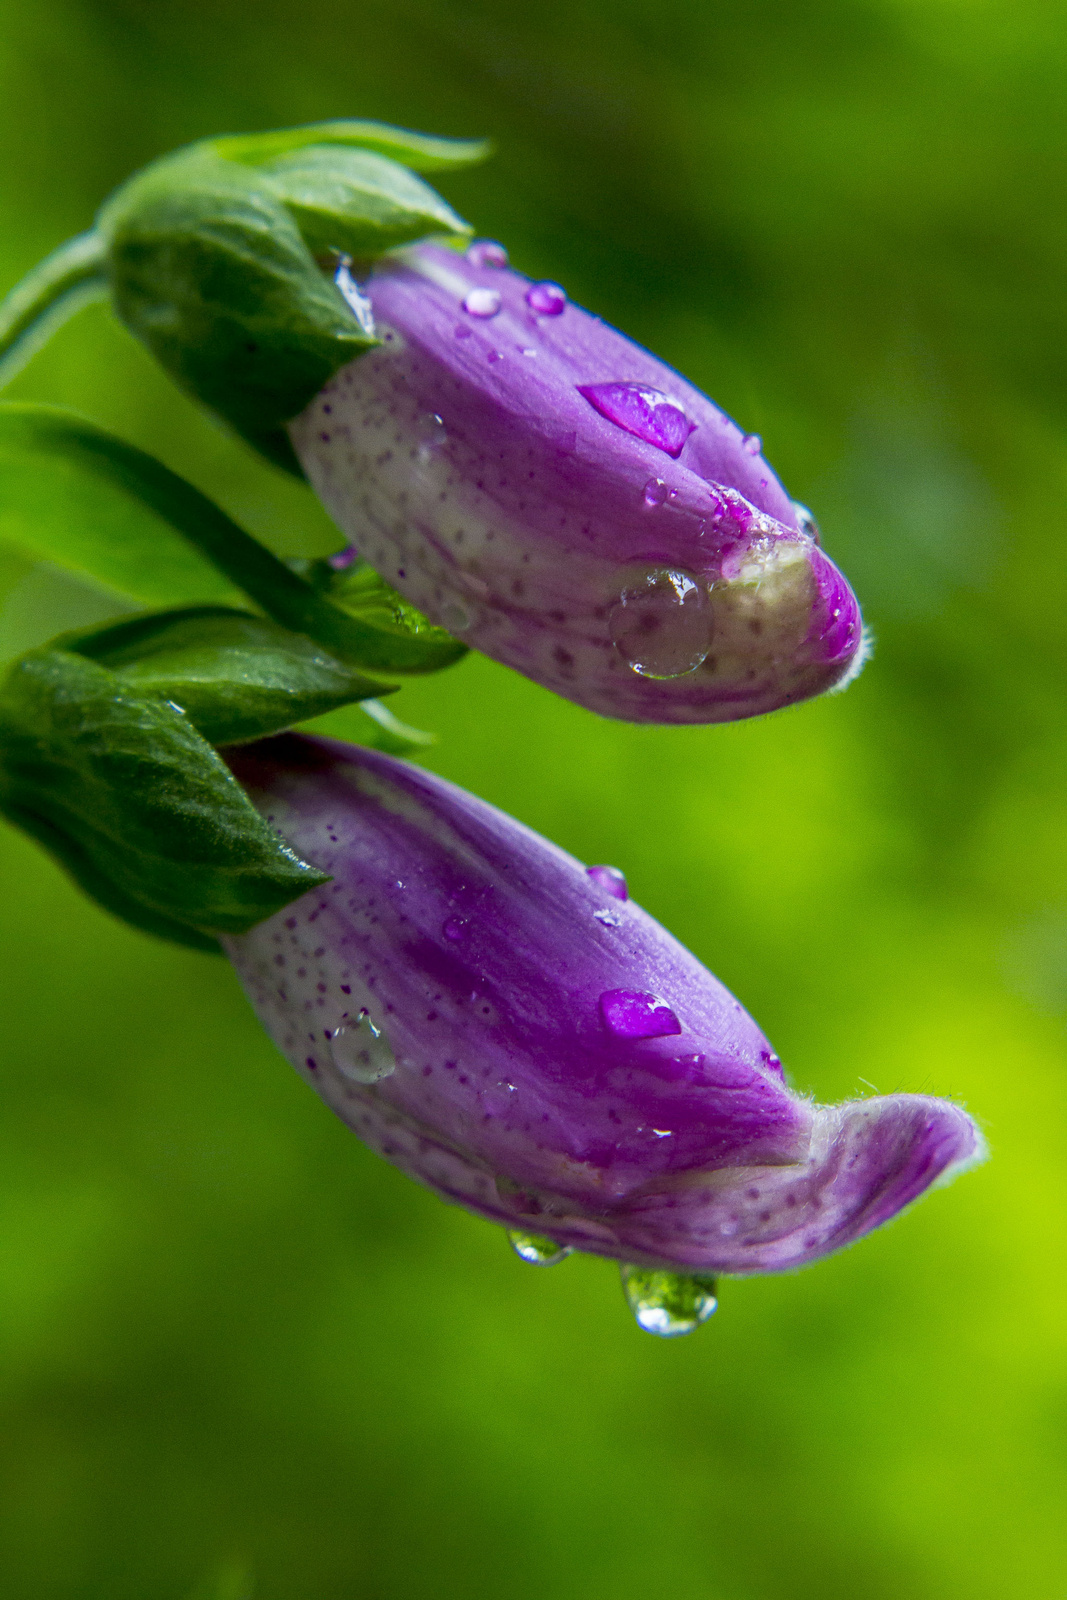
x=564, y=502
x=502, y=1025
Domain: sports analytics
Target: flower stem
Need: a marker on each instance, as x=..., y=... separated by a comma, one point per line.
x=60, y=285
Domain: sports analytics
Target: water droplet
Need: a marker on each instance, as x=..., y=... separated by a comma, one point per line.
x=752, y=443
x=454, y=928
x=655, y=492
x=487, y=253
x=526, y=350
x=806, y=522
x=547, y=299
x=455, y=618
x=609, y=878
x=632, y=1014
x=608, y=919
x=536, y=1249
x=662, y=624
x=646, y=413
x=482, y=303
x=494, y=355
x=668, y=1303
x=361, y=1050
x=354, y=297
x=431, y=433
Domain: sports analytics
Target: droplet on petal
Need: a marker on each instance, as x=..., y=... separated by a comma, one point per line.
x=608, y=919
x=547, y=299
x=487, y=253
x=432, y=434
x=537, y=1250
x=361, y=1051
x=632, y=1014
x=454, y=928
x=609, y=878
x=482, y=303
x=646, y=413
x=655, y=492
x=661, y=625
x=668, y=1303
x=455, y=618
x=752, y=443
x=806, y=522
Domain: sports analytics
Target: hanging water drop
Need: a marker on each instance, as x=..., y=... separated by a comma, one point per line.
x=806, y=522
x=633, y=1014
x=646, y=413
x=361, y=1051
x=661, y=624
x=487, y=253
x=668, y=1303
x=546, y=299
x=482, y=303
x=752, y=443
x=536, y=1249
x=609, y=878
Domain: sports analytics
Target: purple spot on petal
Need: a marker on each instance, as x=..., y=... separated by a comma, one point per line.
x=644, y=412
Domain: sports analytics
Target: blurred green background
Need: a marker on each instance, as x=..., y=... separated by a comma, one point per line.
x=235, y=1348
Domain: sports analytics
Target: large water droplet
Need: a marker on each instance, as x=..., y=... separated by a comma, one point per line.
x=646, y=413
x=806, y=522
x=355, y=299
x=536, y=1249
x=752, y=444
x=361, y=1051
x=668, y=1303
x=632, y=1014
x=487, y=253
x=482, y=303
x=655, y=492
x=547, y=299
x=661, y=624
x=609, y=878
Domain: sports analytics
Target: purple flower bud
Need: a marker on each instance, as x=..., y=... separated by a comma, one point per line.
x=564, y=502
x=496, y=1022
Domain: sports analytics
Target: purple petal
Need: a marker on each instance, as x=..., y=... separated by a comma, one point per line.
x=453, y=996
x=573, y=471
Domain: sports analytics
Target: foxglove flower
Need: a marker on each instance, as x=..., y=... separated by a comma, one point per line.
x=509, y=1029
x=558, y=498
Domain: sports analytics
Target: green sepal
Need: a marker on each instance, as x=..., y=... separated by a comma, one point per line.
x=425, y=152
x=355, y=203
x=208, y=268
x=71, y=492
x=136, y=804
x=364, y=594
x=236, y=676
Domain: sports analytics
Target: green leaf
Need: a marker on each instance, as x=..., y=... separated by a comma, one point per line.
x=78, y=495
x=355, y=203
x=236, y=676
x=65, y=497
x=208, y=269
x=425, y=152
x=136, y=804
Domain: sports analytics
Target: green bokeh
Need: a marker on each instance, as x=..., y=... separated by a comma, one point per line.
x=234, y=1346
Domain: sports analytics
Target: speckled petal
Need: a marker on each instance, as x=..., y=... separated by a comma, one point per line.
x=513, y=475
x=476, y=950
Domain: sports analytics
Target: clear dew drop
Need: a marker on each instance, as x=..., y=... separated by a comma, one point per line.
x=535, y=1249
x=655, y=492
x=661, y=624
x=361, y=1051
x=487, y=253
x=668, y=1303
x=546, y=299
x=608, y=919
x=611, y=879
x=356, y=301
x=432, y=435
x=806, y=522
x=752, y=444
x=482, y=303
x=455, y=618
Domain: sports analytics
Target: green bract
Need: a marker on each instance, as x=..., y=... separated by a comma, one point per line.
x=135, y=803
x=220, y=258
